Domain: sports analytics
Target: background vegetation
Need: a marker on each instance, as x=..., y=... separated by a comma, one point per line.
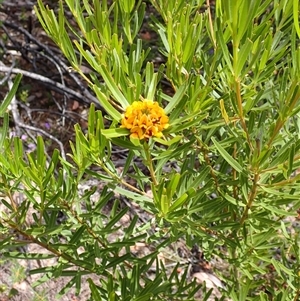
x=224, y=177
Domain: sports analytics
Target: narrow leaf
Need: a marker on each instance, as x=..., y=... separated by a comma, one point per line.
x=234, y=164
x=10, y=95
x=115, y=133
x=94, y=290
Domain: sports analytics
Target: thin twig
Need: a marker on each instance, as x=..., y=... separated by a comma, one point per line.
x=55, y=57
x=8, y=74
x=19, y=122
x=54, y=85
x=58, y=67
x=60, y=144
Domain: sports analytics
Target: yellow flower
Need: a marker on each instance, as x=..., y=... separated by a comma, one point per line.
x=145, y=119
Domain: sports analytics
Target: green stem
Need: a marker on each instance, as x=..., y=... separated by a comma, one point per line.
x=150, y=163
x=250, y=199
x=118, y=179
x=240, y=111
x=203, y=148
x=285, y=116
x=57, y=253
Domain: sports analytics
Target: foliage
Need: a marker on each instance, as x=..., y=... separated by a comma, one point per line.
x=224, y=176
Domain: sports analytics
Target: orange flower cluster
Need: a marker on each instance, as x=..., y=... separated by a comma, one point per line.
x=145, y=119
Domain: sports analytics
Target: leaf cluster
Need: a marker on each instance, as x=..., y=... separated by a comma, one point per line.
x=225, y=176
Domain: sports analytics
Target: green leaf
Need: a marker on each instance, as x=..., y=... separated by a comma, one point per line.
x=222, y=43
x=41, y=157
x=114, y=261
x=10, y=95
x=106, y=104
x=136, y=142
x=4, y=130
x=144, y=297
x=128, y=163
x=280, y=268
x=51, y=167
x=152, y=85
x=276, y=211
x=243, y=56
x=164, y=203
x=234, y=164
x=126, y=144
x=296, y=16
x=174, y=151
x=172, y=185
x=168, y=142
x=113, y=221
x=66, y=287
x=77, y=235
x=120, y=98
x=28, y=256
x=92, y=120
x=94, y=290
x=291, y=160
x=115, y=133
x=179, y=202
x=175, y=100
x=141, y=199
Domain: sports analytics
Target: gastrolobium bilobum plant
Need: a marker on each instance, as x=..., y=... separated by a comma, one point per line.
x=216, y=127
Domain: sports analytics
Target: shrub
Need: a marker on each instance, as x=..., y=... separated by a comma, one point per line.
x=217, y=131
